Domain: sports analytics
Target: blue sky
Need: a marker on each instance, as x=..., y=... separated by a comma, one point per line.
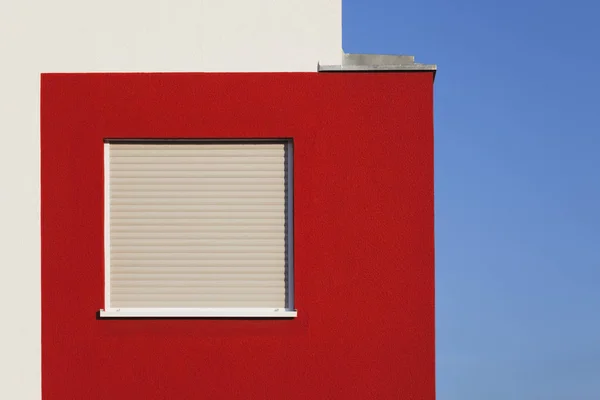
x=517, y=187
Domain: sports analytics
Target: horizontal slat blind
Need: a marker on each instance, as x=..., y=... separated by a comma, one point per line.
x=197, y=225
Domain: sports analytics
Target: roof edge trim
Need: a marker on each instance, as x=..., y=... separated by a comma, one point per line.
x=377, y=63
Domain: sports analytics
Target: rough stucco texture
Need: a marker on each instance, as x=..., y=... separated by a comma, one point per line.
x=364, y=245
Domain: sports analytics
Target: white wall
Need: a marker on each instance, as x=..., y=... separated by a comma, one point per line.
x=125, y=35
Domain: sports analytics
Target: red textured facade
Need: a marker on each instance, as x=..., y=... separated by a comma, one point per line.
x=364, y=243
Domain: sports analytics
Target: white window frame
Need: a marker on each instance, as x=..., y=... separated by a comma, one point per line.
x=288, y=312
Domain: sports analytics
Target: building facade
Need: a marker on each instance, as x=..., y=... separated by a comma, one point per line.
x=213, y=201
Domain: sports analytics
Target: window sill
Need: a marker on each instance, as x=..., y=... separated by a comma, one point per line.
x=198, y=313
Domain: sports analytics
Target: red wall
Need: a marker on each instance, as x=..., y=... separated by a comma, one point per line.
x=364, y=247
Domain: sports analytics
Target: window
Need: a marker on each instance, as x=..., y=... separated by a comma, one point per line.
x=198, y=229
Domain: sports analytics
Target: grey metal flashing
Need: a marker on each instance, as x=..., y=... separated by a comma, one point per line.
x=377, y=63
x=412, y=67
x=377, y=59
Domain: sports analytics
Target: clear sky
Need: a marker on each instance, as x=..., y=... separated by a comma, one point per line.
x=517, y=187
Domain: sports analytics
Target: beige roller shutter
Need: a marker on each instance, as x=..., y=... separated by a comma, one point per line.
x=198, y=225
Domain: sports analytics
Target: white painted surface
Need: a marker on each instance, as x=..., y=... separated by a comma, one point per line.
x=200, y=312
x=106, y=224
x=135, y=35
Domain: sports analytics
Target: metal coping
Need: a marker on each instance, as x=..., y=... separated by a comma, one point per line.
x=378, y=63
